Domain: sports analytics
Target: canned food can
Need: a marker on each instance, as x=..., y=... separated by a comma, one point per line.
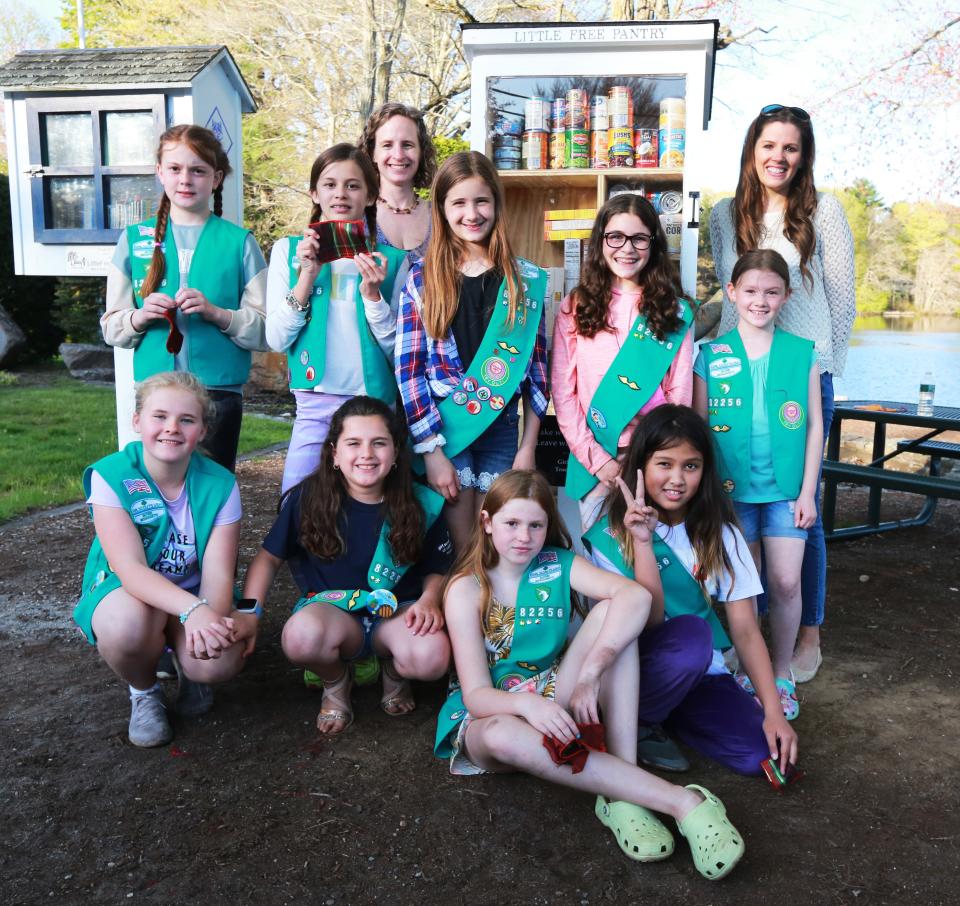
x=598, y=113
x=620, y=146
x=577, y=109
x=514, y=142
x=558, y=115
x=507, y=124
x=506, y=164
x=558, y=150
x=506, y=154
x=671, y=202
x=672, y=108
x=599, y=156
x=654, y=199
x=645, y=148
x=673, y=228
x=620, y=107
x=536, y=112
x=577, y=153
x=671, y=147
x=535, y=150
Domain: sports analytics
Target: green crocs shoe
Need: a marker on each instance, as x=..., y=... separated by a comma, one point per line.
x=640, y=834
x=715, y=844
x=366, y=671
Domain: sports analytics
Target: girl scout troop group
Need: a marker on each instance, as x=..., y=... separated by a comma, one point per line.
x=411, y=515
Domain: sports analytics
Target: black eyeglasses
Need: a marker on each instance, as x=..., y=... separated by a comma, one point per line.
x=639, y=241
x=798, y=112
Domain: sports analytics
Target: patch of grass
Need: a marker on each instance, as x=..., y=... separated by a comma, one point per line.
x=49, y=434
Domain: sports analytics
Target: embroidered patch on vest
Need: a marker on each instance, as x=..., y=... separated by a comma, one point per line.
x=147, y=511
x=597, y=417
x=547, y=573
x=627, y=382
x=728, y=486
x=791, y=415
x=136, y=485
x=724, y=367
x=495, y=371
x=497, y=403
x=459, y=397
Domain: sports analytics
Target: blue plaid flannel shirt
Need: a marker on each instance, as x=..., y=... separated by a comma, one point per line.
x=429, y=370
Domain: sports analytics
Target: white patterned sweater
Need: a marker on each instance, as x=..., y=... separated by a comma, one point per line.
x=823, y=312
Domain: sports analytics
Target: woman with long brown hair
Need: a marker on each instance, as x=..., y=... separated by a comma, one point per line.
x=777, y=206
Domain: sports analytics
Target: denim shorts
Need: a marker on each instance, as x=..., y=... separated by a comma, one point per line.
x=491, y=453
x=768, y=520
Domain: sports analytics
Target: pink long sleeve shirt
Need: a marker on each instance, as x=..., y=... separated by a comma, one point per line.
x=579, y=364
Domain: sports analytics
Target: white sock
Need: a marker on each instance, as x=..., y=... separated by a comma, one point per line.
x=134, y=693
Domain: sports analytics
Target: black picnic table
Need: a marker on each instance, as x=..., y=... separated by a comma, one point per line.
x=931, y=485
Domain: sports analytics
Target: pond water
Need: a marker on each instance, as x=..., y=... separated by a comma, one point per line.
x=889, y=357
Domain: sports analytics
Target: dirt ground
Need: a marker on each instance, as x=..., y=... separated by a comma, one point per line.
x=250, y=806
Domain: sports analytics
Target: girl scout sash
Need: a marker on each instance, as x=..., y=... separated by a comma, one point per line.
x=730, y=408
x=216, y=269
x=682, y=594
x=629, y=383
x=383, y=573
x=541, y=617
x=497, y=369
x=307, y=357
x=209, y=485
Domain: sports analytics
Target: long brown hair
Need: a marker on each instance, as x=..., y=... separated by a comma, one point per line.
x=324, y=492
x=441, y=264
x=335, y=155
x=480, y=555
x=801, y=204
x=710, y=509
x=428, y=154
x=658, y=280
x=205, y=145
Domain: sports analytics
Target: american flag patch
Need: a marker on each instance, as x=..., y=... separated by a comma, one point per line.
x=145, y=230
x=136, y=485
x=547, y=557
x=720, y=347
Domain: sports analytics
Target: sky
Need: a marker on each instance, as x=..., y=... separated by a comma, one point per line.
x=797, y=62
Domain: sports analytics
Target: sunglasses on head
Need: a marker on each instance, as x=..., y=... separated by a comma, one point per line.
x=798, y=112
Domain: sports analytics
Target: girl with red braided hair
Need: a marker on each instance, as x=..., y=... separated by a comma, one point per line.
x=186, y=290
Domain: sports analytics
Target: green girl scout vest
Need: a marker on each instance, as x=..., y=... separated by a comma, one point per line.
x=730, y=408
x=209, y=486
x=307, y=357
x=682, y=594
x=541, y=617
x=383, y=574
x=217, y=271
x=492, y=378
x=630, y=382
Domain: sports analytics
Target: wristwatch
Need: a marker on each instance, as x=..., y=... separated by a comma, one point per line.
x=256, y=610
x=292, y=300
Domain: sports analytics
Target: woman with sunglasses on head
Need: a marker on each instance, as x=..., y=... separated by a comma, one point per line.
x=777, y=206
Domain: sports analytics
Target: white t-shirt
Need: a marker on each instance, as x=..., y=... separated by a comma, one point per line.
x=744, y=583
x=178, y=562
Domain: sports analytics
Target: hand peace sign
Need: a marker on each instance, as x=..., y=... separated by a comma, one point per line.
x=639, y=519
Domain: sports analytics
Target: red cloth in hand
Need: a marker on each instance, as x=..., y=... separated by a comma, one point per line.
x=575, y=752
x=174, y=337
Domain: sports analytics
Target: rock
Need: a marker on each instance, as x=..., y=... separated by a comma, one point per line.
x=12, y=337
x=88, y=361
x=707, y=318
x=269, y=372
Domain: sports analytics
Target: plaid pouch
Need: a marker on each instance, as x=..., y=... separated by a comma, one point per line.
x=340, y=239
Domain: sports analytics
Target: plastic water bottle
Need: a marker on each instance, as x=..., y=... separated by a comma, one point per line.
x=925, y=399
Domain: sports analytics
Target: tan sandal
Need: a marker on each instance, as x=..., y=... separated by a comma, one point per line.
x=337, y=692
x=397, y=694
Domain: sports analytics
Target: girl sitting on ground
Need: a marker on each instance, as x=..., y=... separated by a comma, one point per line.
x=524, y=699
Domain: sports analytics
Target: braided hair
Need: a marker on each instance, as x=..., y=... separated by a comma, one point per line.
x=206, y=146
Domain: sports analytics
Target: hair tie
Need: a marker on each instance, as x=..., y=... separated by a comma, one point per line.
x=158, y=245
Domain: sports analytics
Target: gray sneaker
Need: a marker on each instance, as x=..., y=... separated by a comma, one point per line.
x=193, y=699
x=149, y=726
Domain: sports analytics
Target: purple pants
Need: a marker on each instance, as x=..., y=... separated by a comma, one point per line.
x=709, y=713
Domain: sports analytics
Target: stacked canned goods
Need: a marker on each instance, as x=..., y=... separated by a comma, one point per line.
x=507, y=141
x=599, y=132
x=577, y=151
x=536, y=136
x=620, y=111
x=673, y=133
x=645, y=147
x=558, y=133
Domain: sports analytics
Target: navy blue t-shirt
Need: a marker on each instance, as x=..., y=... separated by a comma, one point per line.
x=360, y=525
